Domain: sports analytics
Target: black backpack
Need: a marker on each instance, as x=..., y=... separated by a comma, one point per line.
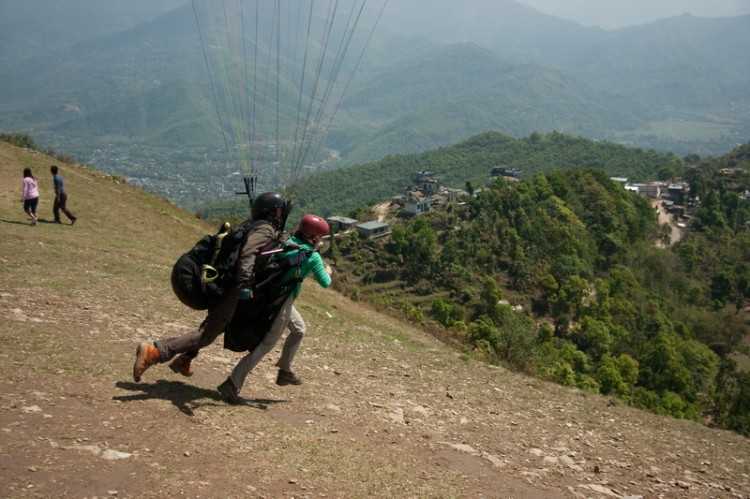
x=204, y=274
x=253, y=318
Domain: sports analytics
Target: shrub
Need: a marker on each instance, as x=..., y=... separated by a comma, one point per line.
x=587, y=383
x=20, y=139
x=563, y=374
x=412, y=312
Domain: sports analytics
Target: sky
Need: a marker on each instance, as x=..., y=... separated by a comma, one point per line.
x=612, y=14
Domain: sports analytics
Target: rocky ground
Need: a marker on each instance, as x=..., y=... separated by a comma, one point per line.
x=385, y=411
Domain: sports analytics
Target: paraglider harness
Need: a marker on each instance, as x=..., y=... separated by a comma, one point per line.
x=203, y=275
x=253, y=318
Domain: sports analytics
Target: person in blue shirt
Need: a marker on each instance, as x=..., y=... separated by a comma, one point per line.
x=307, y=237
x=61, y=197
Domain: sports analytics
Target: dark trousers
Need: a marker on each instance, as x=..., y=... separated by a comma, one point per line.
x=213, y=325
x=60, y=202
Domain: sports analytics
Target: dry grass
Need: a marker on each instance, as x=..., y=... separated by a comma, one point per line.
x=386, y=410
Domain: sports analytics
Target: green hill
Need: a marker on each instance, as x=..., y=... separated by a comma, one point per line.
x=565, y=229
x=341, y=191
x=158, y=117
x=570, y=276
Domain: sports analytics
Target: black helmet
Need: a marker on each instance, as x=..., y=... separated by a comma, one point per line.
x=265, y=205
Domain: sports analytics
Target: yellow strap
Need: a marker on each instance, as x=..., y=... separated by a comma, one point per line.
x=219, y=238
x=208, y=275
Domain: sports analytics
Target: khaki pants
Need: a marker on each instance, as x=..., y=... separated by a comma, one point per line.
x=288, y=318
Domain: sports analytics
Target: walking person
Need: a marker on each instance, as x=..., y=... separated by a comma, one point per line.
x=61, y=197
x=270, y=207
x=307, y=237
x=30, y=195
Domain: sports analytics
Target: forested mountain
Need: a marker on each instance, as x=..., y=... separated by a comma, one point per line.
x=563, y=275
x=672, y=75
x=29, y=28
x=66, y=80
x=481, y=92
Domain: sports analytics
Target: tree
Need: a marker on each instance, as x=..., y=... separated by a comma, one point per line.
x=687, y=254
x=722, y=284
x=516, y=341
x=569, y=298
x=491, y=295
x=663, y=368
x=667, y=172
x=610, y=378
x=417, y=245
x=593, y=337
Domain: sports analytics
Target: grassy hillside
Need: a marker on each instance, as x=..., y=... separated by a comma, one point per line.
x=386, y=411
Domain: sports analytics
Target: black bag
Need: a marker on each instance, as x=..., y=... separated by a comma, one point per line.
x=253, y=318
x=204, y=274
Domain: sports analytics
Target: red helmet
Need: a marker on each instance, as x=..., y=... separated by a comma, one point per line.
x=313, y=225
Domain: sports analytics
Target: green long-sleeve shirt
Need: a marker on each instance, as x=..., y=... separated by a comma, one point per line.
x=312, y=264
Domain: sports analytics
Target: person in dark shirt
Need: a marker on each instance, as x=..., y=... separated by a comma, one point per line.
x=269, y=206
x=61, y=198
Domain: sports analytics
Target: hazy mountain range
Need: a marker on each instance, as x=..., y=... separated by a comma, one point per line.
x=123, y=84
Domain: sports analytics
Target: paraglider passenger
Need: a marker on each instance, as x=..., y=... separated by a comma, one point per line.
x=307, y=236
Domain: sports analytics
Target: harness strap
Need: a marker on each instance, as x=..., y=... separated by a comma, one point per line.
x=219, y=238
x=208, y=275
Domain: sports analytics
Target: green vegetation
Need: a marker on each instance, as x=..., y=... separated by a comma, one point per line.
x=341, y=191
x=560, y=275
x=19, y=139
x=26, y=141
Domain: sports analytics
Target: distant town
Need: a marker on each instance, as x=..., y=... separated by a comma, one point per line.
x=426, y=192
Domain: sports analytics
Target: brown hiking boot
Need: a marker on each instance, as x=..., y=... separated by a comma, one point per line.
x=181, y=365
x=287, y=378
x=230, y=393
x=146, y=355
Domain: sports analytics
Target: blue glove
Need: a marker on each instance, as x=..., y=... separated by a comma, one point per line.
x=244, y=294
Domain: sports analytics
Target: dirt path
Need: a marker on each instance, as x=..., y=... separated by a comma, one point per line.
x=381, y=210
x=666, y=218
